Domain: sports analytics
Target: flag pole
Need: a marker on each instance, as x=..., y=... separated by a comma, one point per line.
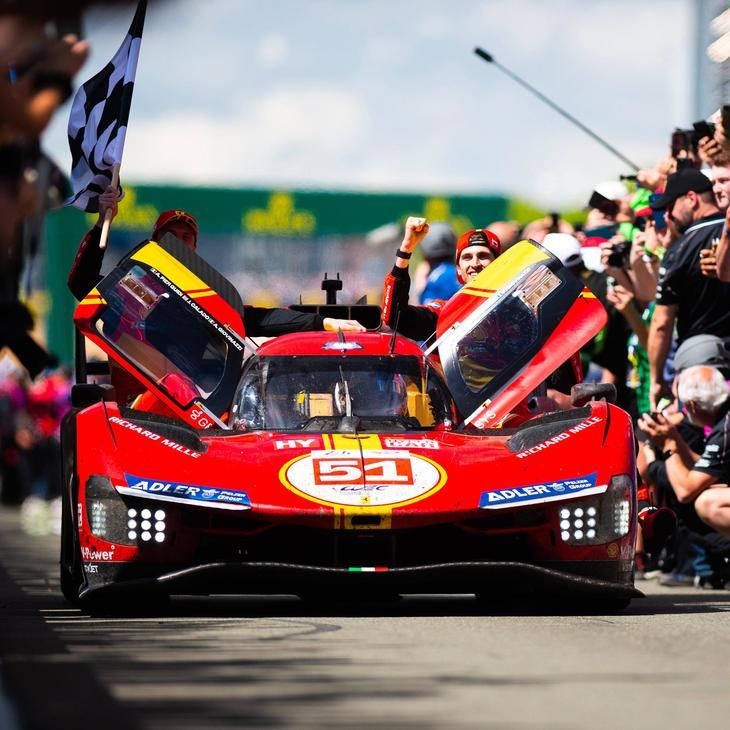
x=108, y=215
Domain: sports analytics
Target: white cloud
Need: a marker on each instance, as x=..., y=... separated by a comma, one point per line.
x=273, y=50
x=377, y=95
x=286, y=135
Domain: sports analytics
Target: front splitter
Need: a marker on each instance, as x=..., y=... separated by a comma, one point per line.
x=503, y=578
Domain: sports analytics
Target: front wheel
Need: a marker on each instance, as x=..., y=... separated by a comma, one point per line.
x=70, y=556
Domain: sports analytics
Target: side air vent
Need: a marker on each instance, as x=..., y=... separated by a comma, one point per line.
x=535, y=432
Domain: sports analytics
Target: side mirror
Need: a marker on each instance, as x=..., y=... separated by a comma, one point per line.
x=583, y=393
x=86, y=394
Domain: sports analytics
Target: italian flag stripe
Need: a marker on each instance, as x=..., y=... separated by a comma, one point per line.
x=376, y=569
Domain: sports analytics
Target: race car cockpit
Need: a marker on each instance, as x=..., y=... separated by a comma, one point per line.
x=322, y=393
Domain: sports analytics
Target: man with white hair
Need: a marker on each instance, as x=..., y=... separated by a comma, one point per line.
x=706, y=397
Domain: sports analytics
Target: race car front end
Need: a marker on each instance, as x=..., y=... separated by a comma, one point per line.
x=251, y=513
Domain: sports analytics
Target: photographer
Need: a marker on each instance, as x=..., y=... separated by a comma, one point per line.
x=685, y=463
x=715, y=262
x=39, y=71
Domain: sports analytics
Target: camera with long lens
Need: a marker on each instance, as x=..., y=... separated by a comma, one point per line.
x=619, y=256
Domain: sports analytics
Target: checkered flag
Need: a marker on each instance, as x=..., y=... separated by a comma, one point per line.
x=98, y=123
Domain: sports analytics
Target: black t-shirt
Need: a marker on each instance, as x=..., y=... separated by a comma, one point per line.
x=703, y=303
x=715, y=459
x=688, y=519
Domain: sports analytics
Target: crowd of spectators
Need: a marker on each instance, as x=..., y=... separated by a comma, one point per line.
x=655, y=249
x=30, y=449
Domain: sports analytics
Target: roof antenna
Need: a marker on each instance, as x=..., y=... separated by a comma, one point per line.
x=340, y=336
x=395, y=333
x=331, y=287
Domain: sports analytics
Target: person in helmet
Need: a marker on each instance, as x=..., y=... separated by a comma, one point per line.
x=475, y=250
x=438, y=269
x=258, y=321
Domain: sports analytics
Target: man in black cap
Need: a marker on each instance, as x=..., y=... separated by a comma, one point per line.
x=699, y=304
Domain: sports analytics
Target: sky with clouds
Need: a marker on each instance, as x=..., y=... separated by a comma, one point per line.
x=388, y=95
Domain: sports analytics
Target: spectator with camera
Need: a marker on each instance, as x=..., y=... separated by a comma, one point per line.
x=696, y=302
x=702, y=363
x=716, y=261
x=38, y=80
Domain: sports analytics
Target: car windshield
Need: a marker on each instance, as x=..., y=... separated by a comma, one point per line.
x=320, y=393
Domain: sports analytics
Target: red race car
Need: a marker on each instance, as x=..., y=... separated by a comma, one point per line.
x=340, y=464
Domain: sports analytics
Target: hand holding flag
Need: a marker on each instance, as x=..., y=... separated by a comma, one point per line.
x=98, y=124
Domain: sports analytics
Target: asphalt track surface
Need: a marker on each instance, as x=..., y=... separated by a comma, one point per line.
x=426, y=662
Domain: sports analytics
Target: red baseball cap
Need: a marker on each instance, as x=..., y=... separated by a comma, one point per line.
x=175, y=216
x=477, y=237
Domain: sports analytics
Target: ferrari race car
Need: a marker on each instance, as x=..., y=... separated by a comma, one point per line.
x=333, y=464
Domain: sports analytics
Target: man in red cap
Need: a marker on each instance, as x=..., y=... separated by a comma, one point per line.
x=475, y=250
x=258, y=321
x=86, y=270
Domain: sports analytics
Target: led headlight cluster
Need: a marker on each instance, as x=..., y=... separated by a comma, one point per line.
x=146, y=525
x=600, y=518
x=577, y=523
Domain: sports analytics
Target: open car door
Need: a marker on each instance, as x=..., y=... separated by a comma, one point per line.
x=173, y=322
x=504, y=333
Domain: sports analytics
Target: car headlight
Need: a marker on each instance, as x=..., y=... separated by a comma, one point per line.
x=599, y=519
x=106, y=512
x=146, y=524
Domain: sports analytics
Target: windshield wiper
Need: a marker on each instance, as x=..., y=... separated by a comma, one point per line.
x=348, y=422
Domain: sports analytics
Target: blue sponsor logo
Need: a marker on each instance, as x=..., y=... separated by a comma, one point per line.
x=184, y=492
x=563, y=489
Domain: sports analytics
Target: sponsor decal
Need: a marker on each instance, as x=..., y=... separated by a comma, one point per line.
x=397, y=443
x=88, y=553
x=295, y=443
x=184, y=493
x=376, y=478
x=612, y=550
x=225, y=332
x=537, y=493
x=484, y=419
x=152, y=436
x=547, y=443
x=712, y=448
x=91, y=568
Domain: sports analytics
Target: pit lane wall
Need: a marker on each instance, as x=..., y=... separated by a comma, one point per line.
x=271, y=244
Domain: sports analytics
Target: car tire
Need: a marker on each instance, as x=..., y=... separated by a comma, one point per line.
x=70, y=560
x=70, y=556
